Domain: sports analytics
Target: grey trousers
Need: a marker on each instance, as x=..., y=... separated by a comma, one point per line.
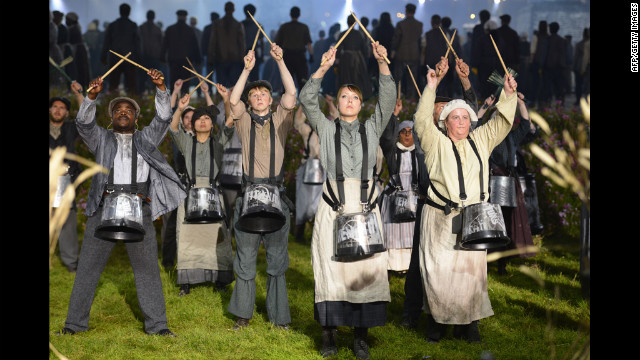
x=68, y=241
x=143, y=256
x=168, y=235
x=243, y=297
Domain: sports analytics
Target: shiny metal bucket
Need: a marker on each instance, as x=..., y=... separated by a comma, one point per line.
x=403, y=205
x=63, y=182
x=203, y=206
x=357, y=234
x=313, y=172
x=231, y=171
x=502, y=191
x=121, y=218
x=261, y=209
x=483, y=227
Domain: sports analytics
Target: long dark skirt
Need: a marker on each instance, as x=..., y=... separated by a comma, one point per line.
x=343, y=313
x=516, y=219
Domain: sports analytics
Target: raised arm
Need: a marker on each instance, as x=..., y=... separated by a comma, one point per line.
x=176, y=92
x=237, y=106
x=224, y=93
x=288, y=99
x=309, y=92
x=76, y=88
x=177, y=114
x=387, y=89
x=468, y=93
x=423, y=125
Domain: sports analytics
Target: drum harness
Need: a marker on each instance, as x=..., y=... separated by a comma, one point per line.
x=364, y=184
x=273, y=180
x=395, y=183
x=140, y=189
x=463, y=196
x=212, y=180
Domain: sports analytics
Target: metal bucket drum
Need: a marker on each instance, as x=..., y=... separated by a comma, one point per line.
x=483, y=227
x=63, y=182
x=231, y=172
x=203, y=206
x=357, y=234
x=502, y=191
x=121, y=218
x=313, y=172
x=403, y=205
x=261, y=209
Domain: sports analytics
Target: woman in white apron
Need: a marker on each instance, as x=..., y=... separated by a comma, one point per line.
x=348, y=291
x=400, y=154
x=204, y=250
x=454, y=280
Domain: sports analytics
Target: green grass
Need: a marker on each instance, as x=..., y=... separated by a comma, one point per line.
x=530, y=322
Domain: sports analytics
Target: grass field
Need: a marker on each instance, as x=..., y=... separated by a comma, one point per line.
x=543, y=316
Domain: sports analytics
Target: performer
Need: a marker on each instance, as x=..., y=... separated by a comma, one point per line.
x=307, y=195
x=204, y=251
x=413, y=291
x=400, y=153
x=256, y=125
x=455, y=281
x=155, y=181
x=348, y=293
x=503, y=162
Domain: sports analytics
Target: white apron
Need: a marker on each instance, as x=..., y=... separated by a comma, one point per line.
x=203, y=246
x=455, y=281
x=361, y=281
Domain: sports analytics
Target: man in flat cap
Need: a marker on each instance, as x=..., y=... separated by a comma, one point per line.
x=64, y=133
x=155, y=182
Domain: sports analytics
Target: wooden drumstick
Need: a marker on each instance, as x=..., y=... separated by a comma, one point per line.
x=200, y=83
x=263, y=33
x=368, y=35
x=502, y=62
x=134, y=63
x=339, y=41
x=414, y=81
x=255, y=41
x=200, y=76
x=112, y=68
x=449, y=43
x=190, y=64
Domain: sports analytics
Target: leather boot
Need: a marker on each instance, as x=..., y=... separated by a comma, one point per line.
x=184, y=289
x=329, y=347
x=435, y=330
x=468, y=332
x=360, y=347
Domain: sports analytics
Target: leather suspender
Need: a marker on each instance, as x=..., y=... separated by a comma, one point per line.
x=338, y=205
x=193, y=162
x=272, y=155
x=463, y=196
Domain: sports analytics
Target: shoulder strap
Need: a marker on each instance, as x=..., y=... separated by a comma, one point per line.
x=272, y=155
x=475, y=150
